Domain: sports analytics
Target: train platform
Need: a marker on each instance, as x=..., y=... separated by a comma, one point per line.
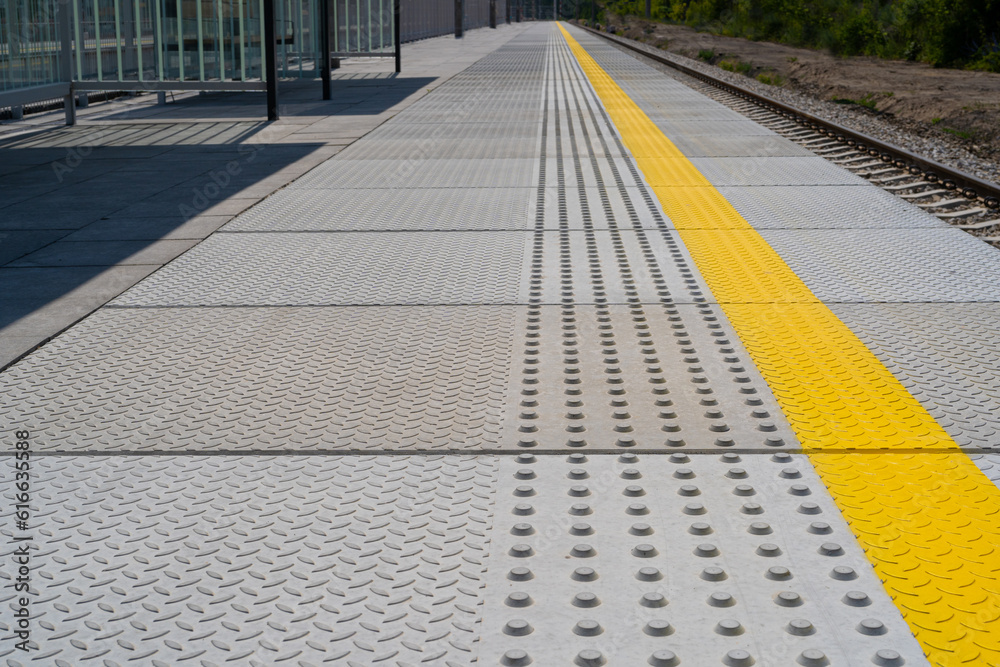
x=562, y=364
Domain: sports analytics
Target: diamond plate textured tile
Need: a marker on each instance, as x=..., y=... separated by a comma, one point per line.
x=710, y=145
x=441, y=147
x=942, y=354
x=989, y=464
x=644, y=377
x=500, y=209
x=713, y=128
x=363, y=268
x=667, y=560
x=406, y=141
x=416, y=172
x=455, y=130
x=257, y=561
x=269, y=379
x=774, y=171
x=886, y=265
x=826, y=207
x=704, y=113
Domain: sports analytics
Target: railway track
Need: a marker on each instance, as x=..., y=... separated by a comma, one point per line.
x=960, y=199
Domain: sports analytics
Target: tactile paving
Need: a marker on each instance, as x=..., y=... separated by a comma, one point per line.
x=612, y=266
x=886, y=265
x=680, y=560
x=713, y=128
x=455, y=130
x=989, y=464
x=441, y=146
x=355, y=268
x=773, y=171
x=942, y=354
x=269, y=379
x=825, y=207
x=643, y=377
x=256, y=561
x=500, y=209
x=926, y=520
x=711, y=145
x=417, y=172
x=704, y=113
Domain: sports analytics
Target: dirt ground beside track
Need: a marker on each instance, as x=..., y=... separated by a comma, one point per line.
x=956, y=106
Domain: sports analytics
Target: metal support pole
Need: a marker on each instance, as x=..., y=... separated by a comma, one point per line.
x=458, y=19
x=66, y=60
x=593, y=13
x=649, y=10
x=397, y=16
x=493, y=14
x=270, y=61
x=324, y=45
x=506, y=7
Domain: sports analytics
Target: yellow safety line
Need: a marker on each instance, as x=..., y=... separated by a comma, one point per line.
x=929, y=521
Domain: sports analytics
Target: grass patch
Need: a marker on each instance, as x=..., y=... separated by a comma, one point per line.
x=771, y=79
x=868, y=101
x=737, y=66
x=958, y=133
x=706, y=54
x=935, y=121
x=792, y=59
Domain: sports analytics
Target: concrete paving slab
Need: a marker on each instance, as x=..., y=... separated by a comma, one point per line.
x=16, y=244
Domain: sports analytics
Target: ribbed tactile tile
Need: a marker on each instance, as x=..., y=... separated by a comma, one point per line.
x=773, y=171
x=392, y=210
x=825, y=207
x=647, y=377
x=269, y=379
x=257, y=561
x=418, y=172
x=680, y=560
x=886, y=265
x=943, y=356
x=362, y=268
x=594, y=208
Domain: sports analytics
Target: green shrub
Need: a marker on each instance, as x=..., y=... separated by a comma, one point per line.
x=989, y=62
x=737, y=66
x=771, y=79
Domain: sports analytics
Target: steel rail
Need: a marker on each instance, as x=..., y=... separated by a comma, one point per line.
x=970, y=186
